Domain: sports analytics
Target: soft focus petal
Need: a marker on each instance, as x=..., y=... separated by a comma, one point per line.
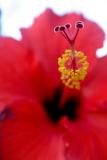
x=95, y=89
x=87, y=138
x=43, y=83
x=21, y=76
x=29, y=135
x=15, y=70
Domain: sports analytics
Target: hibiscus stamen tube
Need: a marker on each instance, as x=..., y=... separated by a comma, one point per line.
x=72, y=65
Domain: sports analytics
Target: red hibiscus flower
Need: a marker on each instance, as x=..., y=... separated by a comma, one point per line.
x=41, y=118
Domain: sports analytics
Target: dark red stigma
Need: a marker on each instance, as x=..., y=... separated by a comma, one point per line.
x=79, y=24
x=65, y=31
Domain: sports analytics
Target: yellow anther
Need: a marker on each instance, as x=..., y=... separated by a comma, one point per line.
x=73, y=72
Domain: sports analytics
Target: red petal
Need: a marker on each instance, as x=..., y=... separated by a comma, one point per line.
x=15, y=71
x=95, y=89
x=43, y=83
x=20, y=74
x=29, y=135
x=86, y=139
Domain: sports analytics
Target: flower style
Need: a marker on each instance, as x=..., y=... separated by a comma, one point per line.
x=40, y=117
x=73, y=65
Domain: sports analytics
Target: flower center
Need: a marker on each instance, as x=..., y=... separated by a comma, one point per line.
x=69, y=109
x=72, y=64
